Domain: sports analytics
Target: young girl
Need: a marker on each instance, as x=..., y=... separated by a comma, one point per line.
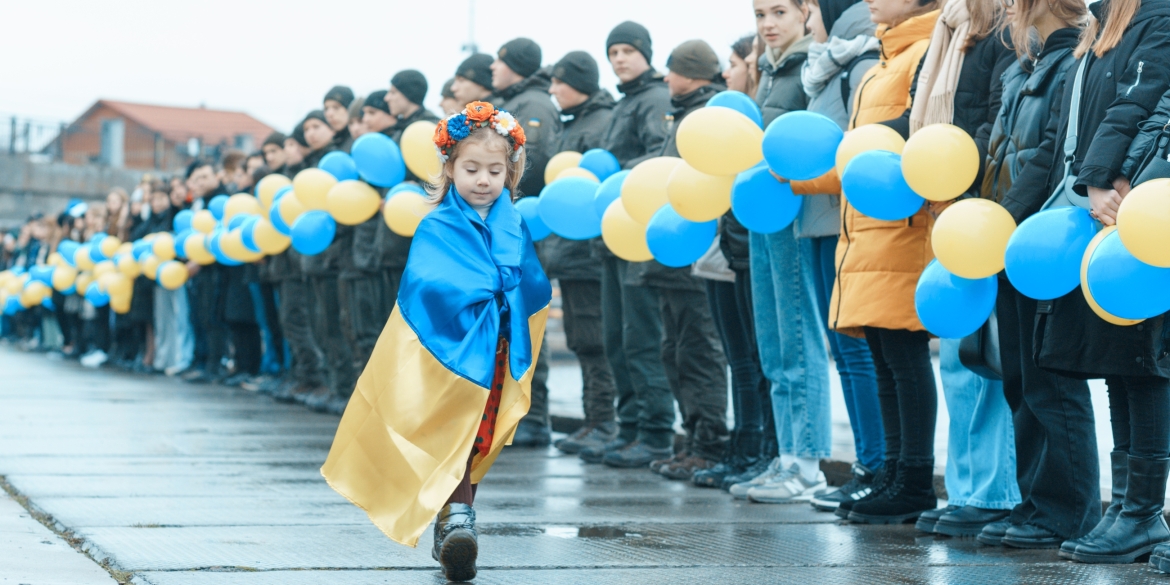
x=451, y=375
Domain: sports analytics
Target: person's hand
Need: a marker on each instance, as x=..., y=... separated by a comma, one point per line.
x=1104, y=204
x=1122, y=186
x=193, y=268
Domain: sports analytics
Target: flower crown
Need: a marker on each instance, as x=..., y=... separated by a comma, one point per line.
x=478, y=115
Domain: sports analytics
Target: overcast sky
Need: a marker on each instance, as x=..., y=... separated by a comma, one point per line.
x=276, y=59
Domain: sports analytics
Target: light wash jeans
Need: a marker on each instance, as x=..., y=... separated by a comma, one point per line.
x=792, y=342
x=174, y=342
x=981, y=447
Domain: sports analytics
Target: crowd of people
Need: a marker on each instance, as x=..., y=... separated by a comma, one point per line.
x=1052, y=92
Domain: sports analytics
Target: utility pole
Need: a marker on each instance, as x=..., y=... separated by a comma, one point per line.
x=470, y=46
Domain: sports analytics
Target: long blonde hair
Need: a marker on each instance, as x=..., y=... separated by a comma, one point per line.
x=1071, y=12
x=986, y=18
x=1117, y=19
x=489, y=137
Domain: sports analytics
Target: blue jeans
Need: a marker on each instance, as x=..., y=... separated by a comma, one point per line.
x=854, y=363
x=981, y=444
x=791, y=339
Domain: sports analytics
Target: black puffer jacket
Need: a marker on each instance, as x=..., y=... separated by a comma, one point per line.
x=652, y=273
x=639, y=120
x=1121, y=89
x=979, y=94
x=585, y=130
x=1031, y=93
x=531, y=105
x=780, y=88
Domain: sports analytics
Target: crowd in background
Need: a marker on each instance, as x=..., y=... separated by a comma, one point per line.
x=772, y=310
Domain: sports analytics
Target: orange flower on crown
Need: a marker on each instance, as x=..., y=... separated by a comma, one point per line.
x=518, y=137
x=442, y=138
x=480, y=111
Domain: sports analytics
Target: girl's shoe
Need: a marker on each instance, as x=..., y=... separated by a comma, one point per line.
x=1119, y=463
x=1140, y=526
x=911, y=494
x=456, y=546
x=881, y=482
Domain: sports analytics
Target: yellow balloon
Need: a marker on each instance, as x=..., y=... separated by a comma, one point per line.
x=311, y=186
x=971, y=236
x=126, y=248
x=150, y=237
x=1144, y=222
x=172, y=275
x=867, y=138
x=32, y=295
x=268, y=186
x=128, y=266
x=149, y=263
x=404, y=211
x=698, y=196
x=163, y=246
x=271, y=242
x=15, y=285
x=104, y=267
x=940, y=162
x=1105, y=316
x=241, y=204
x=232, y=245
x=624, y=236
x=290, y=208
x=577, y=172
x=120, y=305
x=82, y=259
x=644, y=191
x=195, y=248
x=109, y=246
x=115, y=284
x=63, y=277
x=82, y=282
x=203, y=222
x=418, y=150
x=559, y=162
x=352, y=202
x=54, y=259
x=719, y=141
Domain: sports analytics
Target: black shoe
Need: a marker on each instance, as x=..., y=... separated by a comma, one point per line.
x=859, y=486
x=713, y=478
x=1160, y=558
x=271, y=385
x=992, y=534
x=1140, y=526
x=968, y=521
x=753, y=471
x=235, y=380
x=1119, y=463
x=594, y=435
x=636, y=455
x=910, y=494
x=929, y=519
x=531, y=434
x=1030, y=536
x=882, y=481
x=456, y=546
x=595, y=454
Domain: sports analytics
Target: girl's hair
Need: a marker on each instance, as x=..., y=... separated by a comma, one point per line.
x=488, y=137
x=987, y=16
x=1120, y=14
x=743, y=47
x=1072, y=12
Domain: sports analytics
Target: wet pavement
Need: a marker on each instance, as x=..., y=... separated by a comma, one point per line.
x=196, y=485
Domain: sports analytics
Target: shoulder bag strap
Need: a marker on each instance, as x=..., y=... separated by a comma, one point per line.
x=1074, y=118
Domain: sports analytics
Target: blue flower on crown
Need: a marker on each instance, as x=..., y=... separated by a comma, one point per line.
x=458, y=128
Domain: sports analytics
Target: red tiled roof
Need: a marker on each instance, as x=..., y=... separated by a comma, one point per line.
x=180, y=124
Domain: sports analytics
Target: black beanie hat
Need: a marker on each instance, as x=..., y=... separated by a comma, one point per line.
x=377, y=100
x=633, y=34
x=276, y=138
x=831, y=10
x=340, y=94
x=298, y=134
x=579, y=71
x=477, y=69
x=446, y=92
x=521, y=55
x=314, y=115
x=411, y=84
x=694, y=59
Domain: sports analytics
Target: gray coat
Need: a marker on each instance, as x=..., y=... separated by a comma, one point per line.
x=531, y=105
x=820, y=215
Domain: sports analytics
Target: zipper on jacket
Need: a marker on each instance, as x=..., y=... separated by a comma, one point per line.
x=857, y=100
x=1141, y=65
x=845, y=254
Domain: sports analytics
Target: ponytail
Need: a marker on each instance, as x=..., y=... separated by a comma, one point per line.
x=1120, y=13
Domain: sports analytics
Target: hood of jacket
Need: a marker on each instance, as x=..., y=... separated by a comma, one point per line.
x=854, y=22
x=897, y=39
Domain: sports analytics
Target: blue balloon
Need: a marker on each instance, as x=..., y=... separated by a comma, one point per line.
x=182, y=220
x=140, y=249
x=67, y=249
x=1125, y=286
x=239, y=221
x=761, y=203
x=873, y=183
x=739, y=102
x=95, y=250
x=1043, y=258
x=17, y=270
x=41, y=273
x=47, y=303
x=600, y=162
x=216, y=205
x=340, y=165
x=378, y=160
x=281, y=192
x=610, y=190
x=248, y=234
x=952, y=307
x=12, y=306
x=412, y=187
x=566, y=207
x=181, y=242
x=529, y=208
x=72, y=290
x=277, y=221
x=215, y=249
x=801, y=146
x=95, y=296
x=675, y=241
x=313, y=231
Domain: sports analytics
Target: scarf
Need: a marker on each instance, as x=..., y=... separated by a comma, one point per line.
x=935, y=96
x=826, y=60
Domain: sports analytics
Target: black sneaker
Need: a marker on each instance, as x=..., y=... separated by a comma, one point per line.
x=713, y=478
x=859, y=486
x=882, y=481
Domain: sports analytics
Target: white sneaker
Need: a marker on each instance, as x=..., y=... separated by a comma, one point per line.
x=787, y=488
x=95, y=359
x=740, y=490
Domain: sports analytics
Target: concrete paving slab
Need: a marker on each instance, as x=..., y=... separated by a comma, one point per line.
x=30, y=554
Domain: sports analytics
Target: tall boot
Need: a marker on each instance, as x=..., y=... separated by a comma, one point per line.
x=1140, y=526
x=1119, y=463
x=911, y=494
x=455, y=542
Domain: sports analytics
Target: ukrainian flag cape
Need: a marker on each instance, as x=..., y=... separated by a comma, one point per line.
x=403, y=443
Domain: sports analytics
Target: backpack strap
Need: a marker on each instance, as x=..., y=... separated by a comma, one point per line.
x=847, y=73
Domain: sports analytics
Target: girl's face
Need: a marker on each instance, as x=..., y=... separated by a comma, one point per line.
x=318, y=134
x=891, y=12
x=479, y=172
x=780, y=22
x=816, y=24
x=736, y=75
x=114, y=202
